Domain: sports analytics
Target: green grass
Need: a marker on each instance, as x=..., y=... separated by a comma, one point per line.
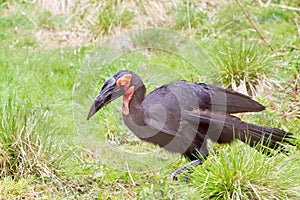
x=188, y=15
x=243, y=65
x=24, y=152
x=241, y=172
x=109, y=17
x=49, y=151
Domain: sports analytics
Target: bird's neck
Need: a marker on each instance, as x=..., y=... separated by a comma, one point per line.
x=136, y=112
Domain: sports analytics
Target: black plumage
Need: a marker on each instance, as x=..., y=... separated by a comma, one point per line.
x=183, y=117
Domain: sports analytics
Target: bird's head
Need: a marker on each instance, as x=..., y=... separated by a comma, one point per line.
x=118, y=85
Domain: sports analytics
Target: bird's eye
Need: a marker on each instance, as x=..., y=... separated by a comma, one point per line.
x=123, y=83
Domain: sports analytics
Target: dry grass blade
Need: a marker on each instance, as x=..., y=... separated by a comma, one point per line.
x=23, y=151
x=57, y=6
x=254, y=26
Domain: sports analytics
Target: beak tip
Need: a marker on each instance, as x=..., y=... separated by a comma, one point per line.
x=91, y=113
x=94, y=108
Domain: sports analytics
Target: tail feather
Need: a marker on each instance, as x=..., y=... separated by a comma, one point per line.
x=235, y=128
x=266, y=135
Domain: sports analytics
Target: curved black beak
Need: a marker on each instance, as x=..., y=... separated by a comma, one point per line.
x=108, y=93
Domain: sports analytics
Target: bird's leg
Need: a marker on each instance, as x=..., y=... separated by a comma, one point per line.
x=175, y=173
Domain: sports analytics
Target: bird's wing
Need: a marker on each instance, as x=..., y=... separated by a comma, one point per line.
x=208, y=117
x=218, y=99
x=167, y=107
x=164, y=107
x=170, y=106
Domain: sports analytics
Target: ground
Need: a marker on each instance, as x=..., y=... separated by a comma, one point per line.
x=51, y=65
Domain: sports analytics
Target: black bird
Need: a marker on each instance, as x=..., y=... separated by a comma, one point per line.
x=182, y=116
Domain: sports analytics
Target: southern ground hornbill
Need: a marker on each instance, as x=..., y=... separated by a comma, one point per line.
x=183, y=117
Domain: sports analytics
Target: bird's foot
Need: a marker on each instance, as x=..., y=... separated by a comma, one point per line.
x=175, y=173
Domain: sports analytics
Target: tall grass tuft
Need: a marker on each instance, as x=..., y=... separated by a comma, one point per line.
x=26, y=148
x=241, y=172
x=112, y=15
x=243, y=65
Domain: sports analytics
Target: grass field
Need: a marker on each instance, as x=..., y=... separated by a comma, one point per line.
x=55, y=55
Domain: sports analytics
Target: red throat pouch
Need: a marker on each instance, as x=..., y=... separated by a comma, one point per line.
x=126, y=99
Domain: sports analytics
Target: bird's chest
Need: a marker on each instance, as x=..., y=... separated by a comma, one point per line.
x=145, y=131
